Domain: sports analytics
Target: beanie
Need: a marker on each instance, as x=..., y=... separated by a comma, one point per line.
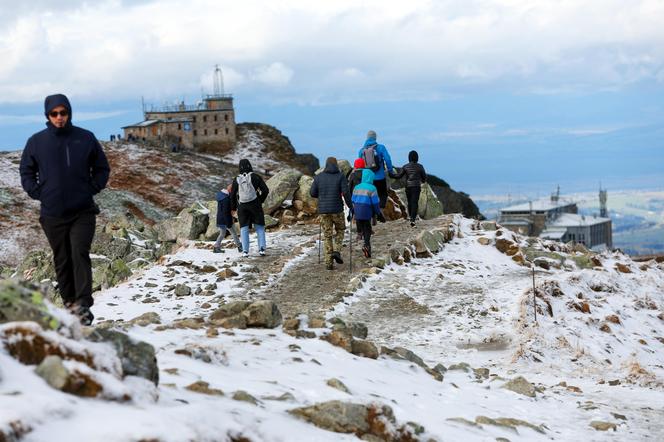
x=372, y=134
x=359, y=163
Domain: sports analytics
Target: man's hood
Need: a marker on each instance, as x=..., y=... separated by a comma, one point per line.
x=413, y=157
x=245, y=166
x=331, y=167
x=53, y=101
x=368, y=176
x=370, y=141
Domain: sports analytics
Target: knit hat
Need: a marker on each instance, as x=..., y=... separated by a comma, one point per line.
x=372, y=134
x=359, y=163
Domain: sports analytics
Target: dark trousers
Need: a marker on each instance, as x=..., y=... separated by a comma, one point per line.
x=381, y=187
x=70, y=239
x=413, y=196
x=364, y=228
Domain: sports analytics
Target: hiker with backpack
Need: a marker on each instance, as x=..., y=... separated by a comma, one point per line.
x=355, y=178
x=329, y=187
x=415, y=177
x=376, y=157
x=248, y=192
x=365, y=207
x=225, y=219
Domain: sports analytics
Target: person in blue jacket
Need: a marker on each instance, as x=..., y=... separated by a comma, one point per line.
x=63, y=167
x=383, y=160
x=225, y=219
x=365, y=207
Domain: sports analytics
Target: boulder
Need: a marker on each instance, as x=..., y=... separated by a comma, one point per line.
x=138, y=358
x=53, y=371
x=425, y=244
x=521, y=386
x=37, y=266
x=212, y=230
x=484, y=240
x=392, y=211
x=189, y=224
x=507, y=247
x=309, y=204
x=21, y=301
x=113, y=273
x=270, y=222
x=368, y=422
x=282, y=186
x=336, y=383
x=367, y=349
x=112, y=247
x=228, y=310
x=263, y=314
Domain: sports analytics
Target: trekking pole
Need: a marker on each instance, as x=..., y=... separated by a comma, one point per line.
x=350, y=231
x=320, y=229
x=534, y=295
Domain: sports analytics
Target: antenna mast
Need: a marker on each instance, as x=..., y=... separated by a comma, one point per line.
x=218, y=81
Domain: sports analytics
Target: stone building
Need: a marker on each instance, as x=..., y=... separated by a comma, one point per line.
x=207, y=126
x=558, y=219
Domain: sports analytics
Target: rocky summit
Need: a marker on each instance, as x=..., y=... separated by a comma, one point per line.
x=456, y=329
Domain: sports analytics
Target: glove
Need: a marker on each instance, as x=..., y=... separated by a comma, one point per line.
x=380, y=217
x=349, y=218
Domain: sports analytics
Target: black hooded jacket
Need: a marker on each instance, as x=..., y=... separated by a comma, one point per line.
x=328, y=187
x=414, y=171
x=63, y=167
x=249, y=213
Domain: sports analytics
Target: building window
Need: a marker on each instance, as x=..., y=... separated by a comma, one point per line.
x=204, y=118
x=215, y=118
x=216, y=131
x=193, y=118
x=225, y=117
x=205, y=130
x=226, y=131
x=179, y=126
x=195, y=132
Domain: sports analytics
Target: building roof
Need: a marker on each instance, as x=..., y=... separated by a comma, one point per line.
x=145, y=123
x=574, y=220
x=556, y=234
x=542, y=205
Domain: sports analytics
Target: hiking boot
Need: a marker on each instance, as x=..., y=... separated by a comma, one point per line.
x=245, y=254
x=329, y=266
x=261, y=252
x=367, y=251
x=216, y=250
x=337, y=257
x=239, y=249
x=373, y=221
x=84, y=314
x=412, y=224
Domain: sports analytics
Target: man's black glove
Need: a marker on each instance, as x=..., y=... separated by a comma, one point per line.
x=380, y=217
x=349, y=218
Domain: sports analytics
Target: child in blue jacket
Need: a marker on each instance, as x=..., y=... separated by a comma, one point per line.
x=225, y=219
x=366, y=205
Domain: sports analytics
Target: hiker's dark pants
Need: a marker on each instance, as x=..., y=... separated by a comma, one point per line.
x=413, y=196
x=381, y=187
x=364, y=227
x=70, y=239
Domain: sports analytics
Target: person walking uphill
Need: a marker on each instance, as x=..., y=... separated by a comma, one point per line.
x=63, y=166
x=225, y=219
x=248, y=193
x=365, y=207
x=329, y=186
x=415, y=177
x=376, y=157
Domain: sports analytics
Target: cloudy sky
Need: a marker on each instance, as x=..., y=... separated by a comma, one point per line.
x=495, y=81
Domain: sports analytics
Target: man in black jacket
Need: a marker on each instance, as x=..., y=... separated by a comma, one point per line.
x=248, y=193
x=415, y=177
x=328, y=187
x=63, y=166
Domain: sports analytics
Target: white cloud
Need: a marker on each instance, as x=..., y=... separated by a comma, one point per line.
x=340, y=51
x=276, y=74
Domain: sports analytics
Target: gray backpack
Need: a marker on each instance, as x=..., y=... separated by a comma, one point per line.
x=371, y=158
x=245, y=190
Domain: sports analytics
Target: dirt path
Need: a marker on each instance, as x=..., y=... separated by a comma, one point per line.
x=307, y=287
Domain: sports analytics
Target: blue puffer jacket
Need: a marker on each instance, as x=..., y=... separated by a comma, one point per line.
x=382, y=153
x=365, y=197
x=63, y=167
